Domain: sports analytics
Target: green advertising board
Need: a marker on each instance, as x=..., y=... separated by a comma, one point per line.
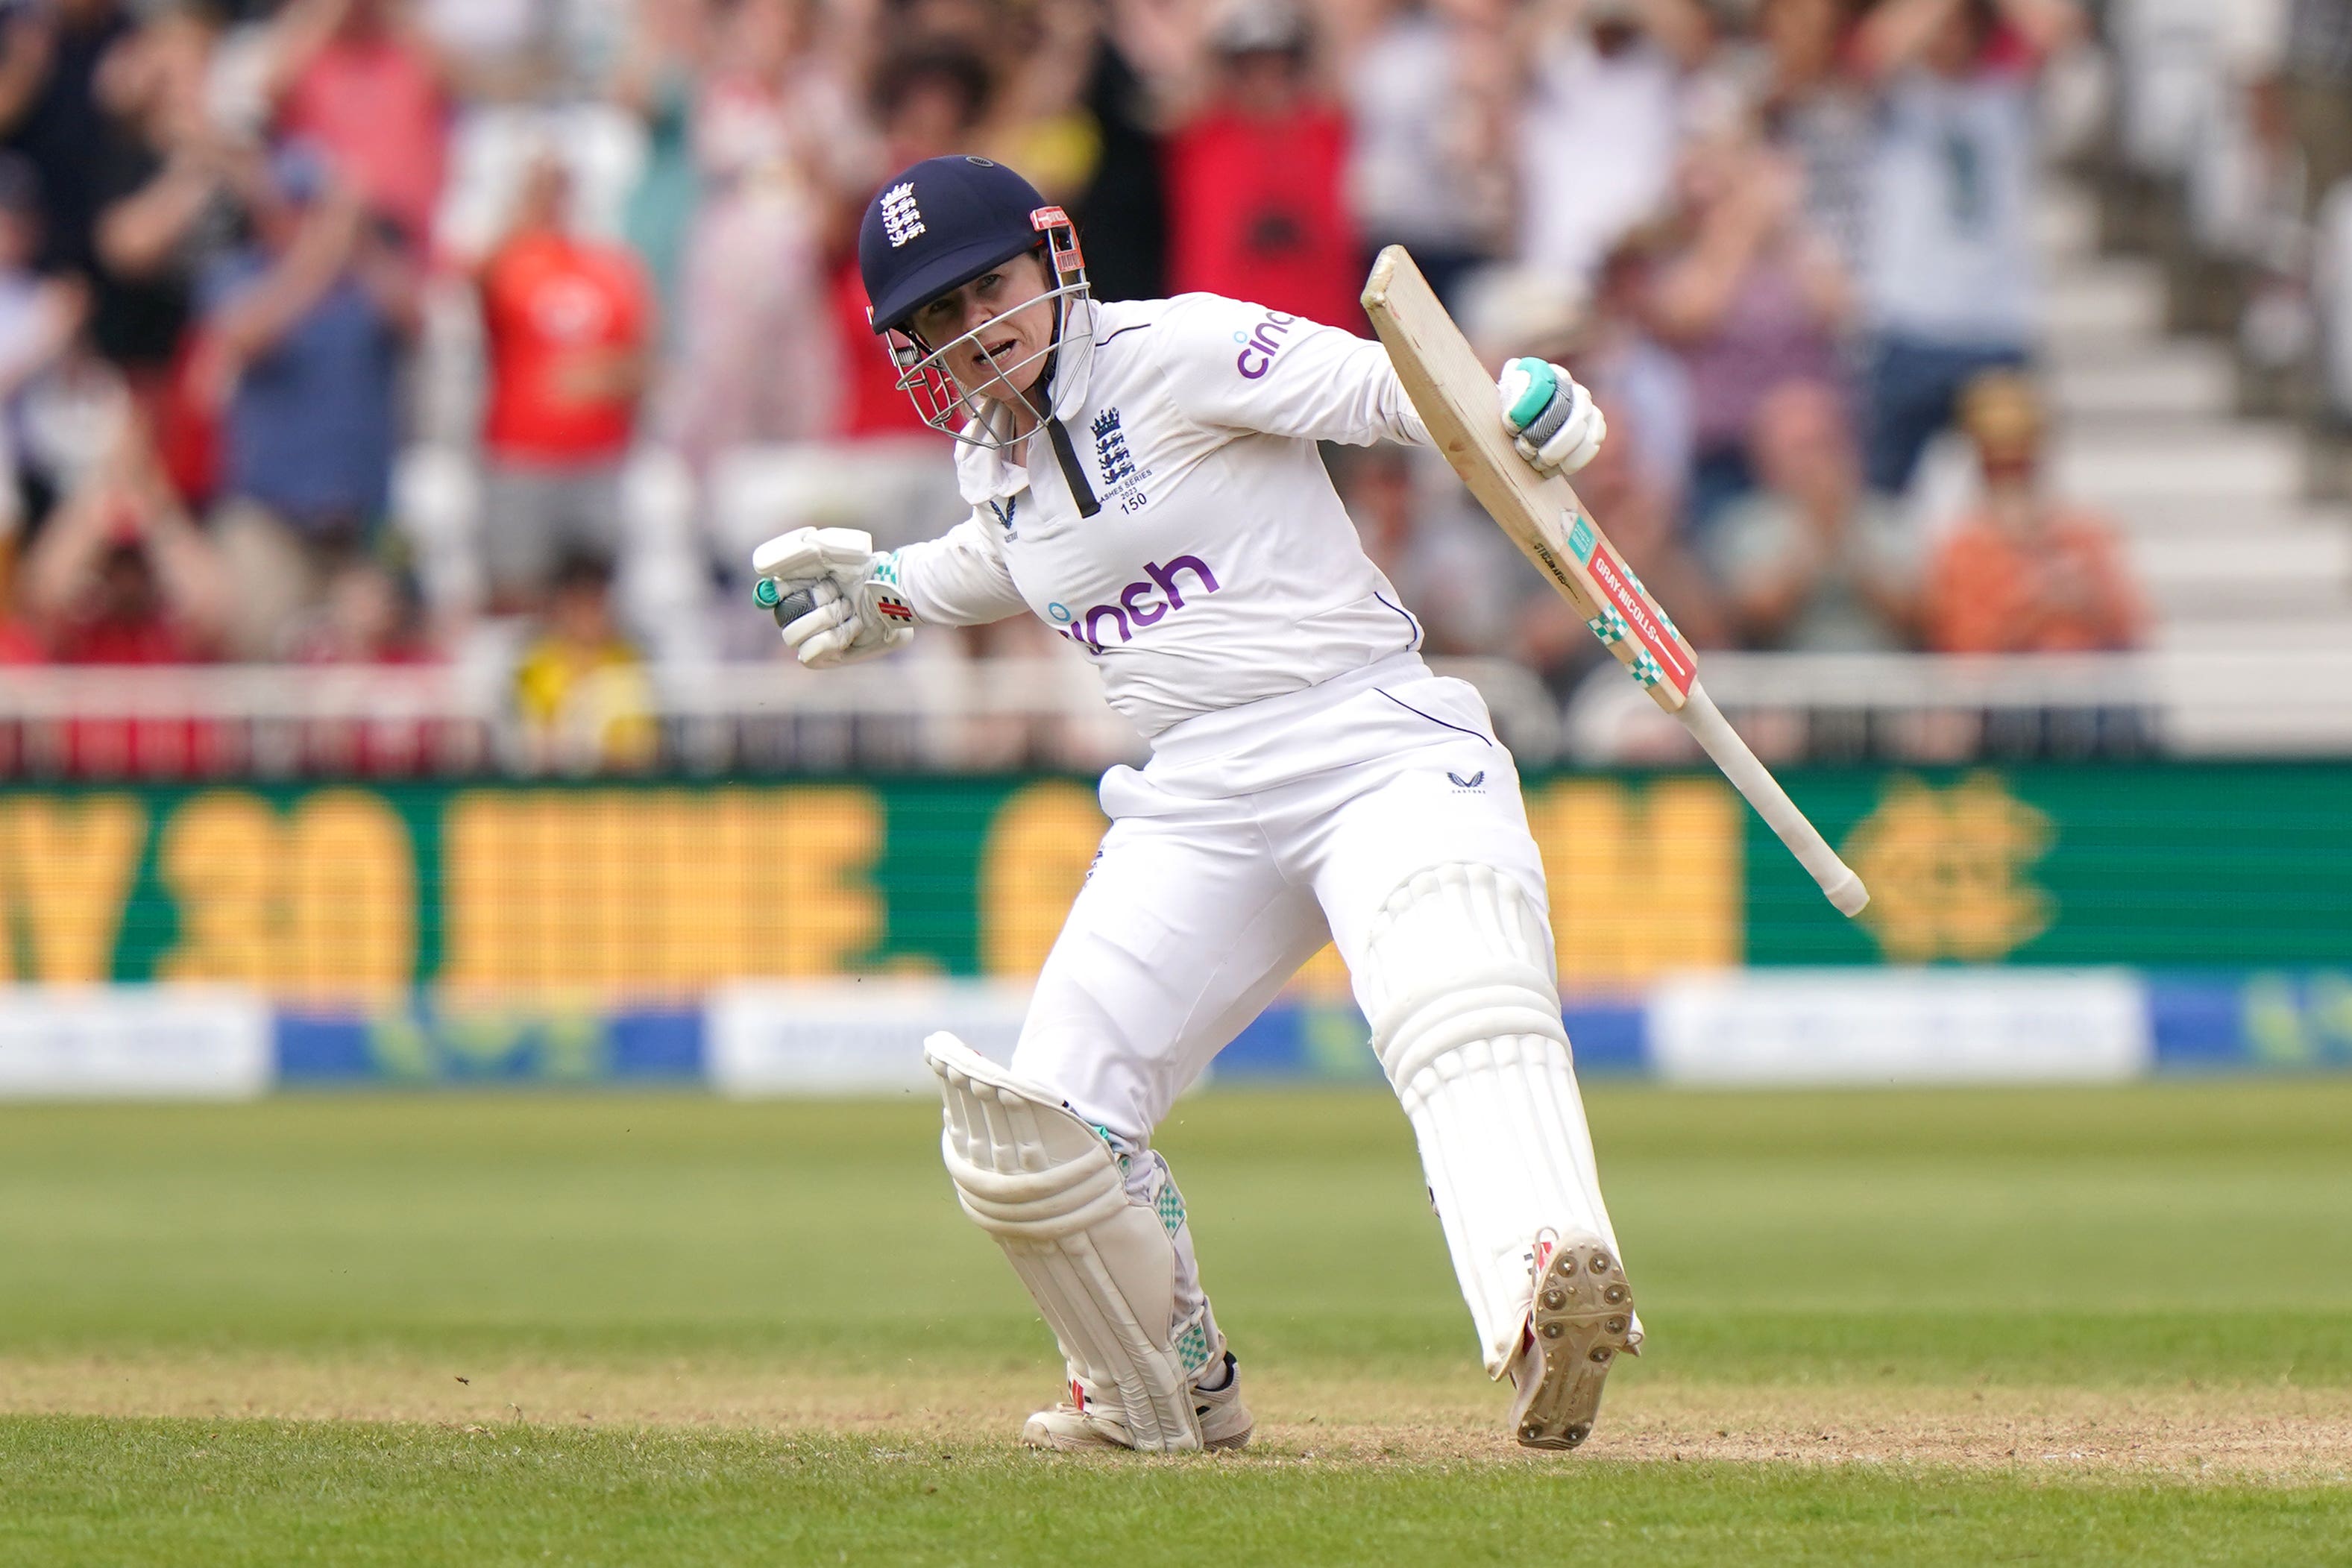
x=662, y=888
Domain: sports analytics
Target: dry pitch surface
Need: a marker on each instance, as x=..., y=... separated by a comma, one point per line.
x=2111, y=1325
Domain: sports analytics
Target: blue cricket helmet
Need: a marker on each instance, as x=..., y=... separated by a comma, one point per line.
x=937, y=225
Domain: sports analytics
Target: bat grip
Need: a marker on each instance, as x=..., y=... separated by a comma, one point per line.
x=1752, y=778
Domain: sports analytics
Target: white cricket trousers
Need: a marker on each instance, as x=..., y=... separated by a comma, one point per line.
x=1252, y=835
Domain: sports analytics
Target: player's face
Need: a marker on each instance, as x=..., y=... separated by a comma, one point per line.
x=996, y=328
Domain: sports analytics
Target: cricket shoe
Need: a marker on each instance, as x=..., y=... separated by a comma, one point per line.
x=1078, y=1424
x=1583, y=1315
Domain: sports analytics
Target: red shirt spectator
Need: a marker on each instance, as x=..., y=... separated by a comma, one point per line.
x=558, y=311
x=570, y=325
x=360, y=84
x=1256, y=183
x=871, y=403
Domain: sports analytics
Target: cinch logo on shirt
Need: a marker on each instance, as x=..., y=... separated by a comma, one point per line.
x=901, y=219
x=1260, y=346
x=1134, y=607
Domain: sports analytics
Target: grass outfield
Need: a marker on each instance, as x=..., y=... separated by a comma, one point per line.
x=2068, y=1325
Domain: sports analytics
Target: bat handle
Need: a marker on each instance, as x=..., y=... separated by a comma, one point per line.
x=1752, y=778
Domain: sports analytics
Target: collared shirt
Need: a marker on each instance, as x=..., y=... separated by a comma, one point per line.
x=1219, y=567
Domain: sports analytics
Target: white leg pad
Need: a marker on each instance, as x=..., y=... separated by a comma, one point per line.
x=1457, y=980
x=1102, y=1267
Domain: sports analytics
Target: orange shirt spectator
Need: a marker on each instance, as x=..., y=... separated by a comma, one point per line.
x=2056, y=585
x=557, y=309
x=2024, y=574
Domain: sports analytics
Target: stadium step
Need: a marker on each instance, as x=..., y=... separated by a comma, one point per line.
x=2089, y=304
x=2065, y=224
x=2303, y=635
x=2167, y=520
x=2167, y=379
x=2223, y=464
x=2192, y=577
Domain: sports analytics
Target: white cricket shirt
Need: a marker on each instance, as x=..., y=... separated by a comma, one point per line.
x=1220, y=567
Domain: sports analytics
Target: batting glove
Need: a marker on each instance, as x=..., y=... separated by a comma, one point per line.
x=836, y=599
x=1554, y=422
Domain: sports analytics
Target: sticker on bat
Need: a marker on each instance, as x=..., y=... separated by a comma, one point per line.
x=1580, y=538
x=1630, y=603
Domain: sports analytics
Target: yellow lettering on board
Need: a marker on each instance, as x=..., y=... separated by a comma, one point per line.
x=806, y=905
x=318, y=902
x=349, y=899
x=219, y=860
x=1641, y=883
x=1039, y=847
x=69, y=865
x=659, y=891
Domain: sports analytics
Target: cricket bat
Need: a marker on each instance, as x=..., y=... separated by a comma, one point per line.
x=1542, y=516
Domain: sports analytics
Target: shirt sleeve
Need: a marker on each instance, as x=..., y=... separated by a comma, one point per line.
x=958, y=579
x=1239, y=367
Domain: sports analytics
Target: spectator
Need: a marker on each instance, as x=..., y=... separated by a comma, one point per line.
x=1816, y=113
x=1813, y=561
x=40, y=318
x=171, y=196
x=1642, y=388
x=496, y=51
x=1612, y=78
x=581, y=689
x=1122, y=208
x=569, y=325
x=776, y=136
x=656, y=82
x=369, y=614
x=1423, y=112
x=1255, y=176
x=928, y=102
x=1464, y=580
x=121, y=575
x=303, y=333
x=50, y=111
x=1752, y=299
x=2024, y=574
x=1949, y=278
x=359, y=80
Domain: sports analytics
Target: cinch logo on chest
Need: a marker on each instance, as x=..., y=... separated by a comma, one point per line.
x=1135, y=606
x=1262, y=344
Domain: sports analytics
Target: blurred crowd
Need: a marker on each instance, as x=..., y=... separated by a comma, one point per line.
x=255, y=256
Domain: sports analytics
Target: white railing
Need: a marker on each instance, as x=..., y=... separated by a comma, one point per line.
x=941, y=713
x=950, y=714
x=2230, y=701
